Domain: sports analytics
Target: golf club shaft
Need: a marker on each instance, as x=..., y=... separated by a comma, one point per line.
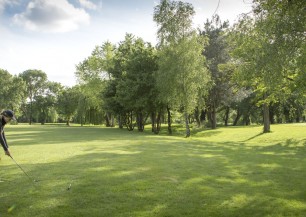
x=21, y=168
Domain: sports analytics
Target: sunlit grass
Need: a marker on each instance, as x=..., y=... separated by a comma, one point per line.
x=234, y=171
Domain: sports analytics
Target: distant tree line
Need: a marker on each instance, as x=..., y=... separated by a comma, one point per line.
x=251, y=72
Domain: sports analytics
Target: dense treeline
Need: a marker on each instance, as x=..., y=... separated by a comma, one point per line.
x=251, y=72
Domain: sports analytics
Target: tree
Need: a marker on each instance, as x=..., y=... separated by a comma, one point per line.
x=45, y=102
x=182, y=74
x=136, y=89
x=182, y=69
x=129, y=90
x=286, y=24
x=35, y=83
x=67, y=102
x=97, y=65
x=174, y=20
x=93, y=73
x=111, y=104
x=91, y=102
x=216, y=53
x=268, y=49
x=12, y=91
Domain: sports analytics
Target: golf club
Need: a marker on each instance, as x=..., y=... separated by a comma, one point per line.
x=22, y=170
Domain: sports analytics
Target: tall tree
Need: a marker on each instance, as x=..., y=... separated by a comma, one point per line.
x=122, y=106
x=93, y=73
x=45, y=102
x=269, y=46
x=182, y=74
x=216, y=53
x=67, y=102
x=174, y=20
x=12, y=91
x=35, y=83
x=136, y=89
x=182, y=69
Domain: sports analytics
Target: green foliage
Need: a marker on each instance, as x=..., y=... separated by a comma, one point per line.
x=97, y=65
x=111, y=104
x=44, y=103
x=182, y=73
x=136, y=88
x=90, y=103
x=35, y=82
x=271, y=45
x=182, y=70
x=67, y=102
x=12, y=90
x=93, y=74
x=268, y=48
x=174, y=20
x=216, y=53
x=133, y=88
x=182, y=77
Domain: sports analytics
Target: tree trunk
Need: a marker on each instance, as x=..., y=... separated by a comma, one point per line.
x=129, y=121
x=68, y=121
x=203, y=116
x=107, y=122
x=187, y=125
x=140, y=122
x=120, y=122
x=213, y=118
x=246, y=119
x=158, y=122
x=153, y=116
x=30, y=122
x=266, y=117
x=112, y=121
x=227, y=110
x=197, y=116
x=237, y=117
x=169, y=120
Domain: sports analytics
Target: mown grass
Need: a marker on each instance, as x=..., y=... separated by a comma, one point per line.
x=234, y=171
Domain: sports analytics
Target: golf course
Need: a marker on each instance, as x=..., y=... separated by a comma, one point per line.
x=97, y=171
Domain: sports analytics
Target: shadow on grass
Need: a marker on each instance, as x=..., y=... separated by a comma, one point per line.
x=206, y=133
x=160, y=177
x=253, y=137
x=54, y=134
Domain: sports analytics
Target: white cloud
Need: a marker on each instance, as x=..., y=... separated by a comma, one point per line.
x=51, y=16
x=4, y=3
x=88, y=4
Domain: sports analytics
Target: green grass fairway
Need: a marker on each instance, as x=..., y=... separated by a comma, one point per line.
x=228, y=172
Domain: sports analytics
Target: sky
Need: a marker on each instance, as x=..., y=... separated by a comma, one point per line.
x=56, y=35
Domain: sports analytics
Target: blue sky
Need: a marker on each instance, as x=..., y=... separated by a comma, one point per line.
x=55, y=35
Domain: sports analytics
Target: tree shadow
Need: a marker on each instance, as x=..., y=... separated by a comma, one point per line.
x=253, y=137
x=206, y=133
x=54, y=134
x=164, y=177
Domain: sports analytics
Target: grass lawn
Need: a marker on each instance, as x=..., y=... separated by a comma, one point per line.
x=228, y=172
